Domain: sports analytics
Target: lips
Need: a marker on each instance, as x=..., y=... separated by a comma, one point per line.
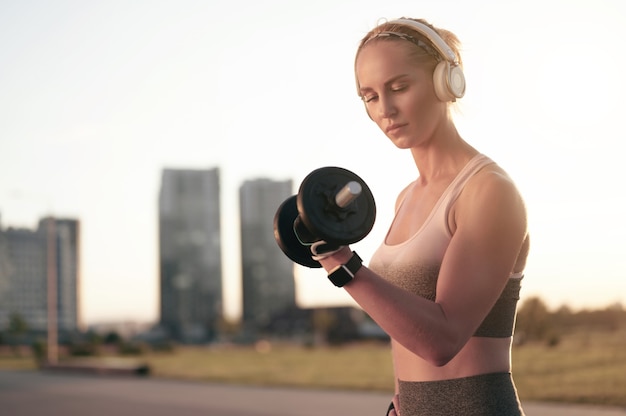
x=394, y=128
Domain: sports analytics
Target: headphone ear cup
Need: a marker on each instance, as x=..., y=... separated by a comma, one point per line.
x=449, y=82
x=440, y=81
x=456, y=81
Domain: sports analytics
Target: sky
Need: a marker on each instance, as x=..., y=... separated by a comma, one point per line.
x=98, y=97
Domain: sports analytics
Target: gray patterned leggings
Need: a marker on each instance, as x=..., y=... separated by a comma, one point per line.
x=483, y=395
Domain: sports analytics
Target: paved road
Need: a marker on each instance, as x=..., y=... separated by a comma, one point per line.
x=33, y=393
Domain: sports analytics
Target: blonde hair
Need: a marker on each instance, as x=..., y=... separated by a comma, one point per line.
x=424, y=52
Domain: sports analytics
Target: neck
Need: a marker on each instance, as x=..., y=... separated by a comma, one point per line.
x=445, y=155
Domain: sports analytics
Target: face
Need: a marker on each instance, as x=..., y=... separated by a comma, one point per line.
x=398, y=93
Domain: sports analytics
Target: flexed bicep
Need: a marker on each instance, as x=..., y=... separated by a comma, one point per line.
x=490, y=230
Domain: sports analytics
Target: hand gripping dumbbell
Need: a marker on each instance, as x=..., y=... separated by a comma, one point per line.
x=332, y=205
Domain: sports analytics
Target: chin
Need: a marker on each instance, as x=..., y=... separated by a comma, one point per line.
x=400, y=143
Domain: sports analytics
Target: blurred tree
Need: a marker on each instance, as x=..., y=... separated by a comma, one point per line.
x=17, y=328
x=323, y=321
x=228, y=327
x=112, y=338
x=88, y=345
x=17, y=324
x=533, y=321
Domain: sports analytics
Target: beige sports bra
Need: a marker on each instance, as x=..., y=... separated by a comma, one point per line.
x=414, y=264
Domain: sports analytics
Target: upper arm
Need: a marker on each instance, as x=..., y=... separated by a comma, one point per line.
x=490, y=220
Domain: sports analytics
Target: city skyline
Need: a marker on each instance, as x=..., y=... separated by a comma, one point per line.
x=97, y=98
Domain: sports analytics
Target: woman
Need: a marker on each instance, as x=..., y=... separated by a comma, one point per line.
x=445, y=281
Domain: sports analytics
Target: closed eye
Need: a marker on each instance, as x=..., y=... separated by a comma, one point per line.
x=368, y=98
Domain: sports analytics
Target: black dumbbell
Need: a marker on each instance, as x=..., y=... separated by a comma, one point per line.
x=333, y=205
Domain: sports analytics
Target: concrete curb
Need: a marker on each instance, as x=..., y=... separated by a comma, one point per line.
x=98, y=368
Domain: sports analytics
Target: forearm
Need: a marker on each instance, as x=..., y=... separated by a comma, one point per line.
x=418, y=324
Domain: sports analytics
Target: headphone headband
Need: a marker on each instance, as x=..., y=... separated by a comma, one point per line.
x=442, y=47
x=448, y=78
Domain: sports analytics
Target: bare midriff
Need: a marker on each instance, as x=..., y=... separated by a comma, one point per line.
x=480, y=355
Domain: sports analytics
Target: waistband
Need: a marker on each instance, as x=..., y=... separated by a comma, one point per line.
x=492, y=394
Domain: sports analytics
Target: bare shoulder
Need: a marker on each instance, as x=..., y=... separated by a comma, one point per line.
x=492, y=184
x=490, y=217
x=490, y=196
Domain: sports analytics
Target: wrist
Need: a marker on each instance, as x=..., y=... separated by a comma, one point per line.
x=345, y=273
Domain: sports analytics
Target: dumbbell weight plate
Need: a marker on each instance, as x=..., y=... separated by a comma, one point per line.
x=286, y=238
x=322, y=217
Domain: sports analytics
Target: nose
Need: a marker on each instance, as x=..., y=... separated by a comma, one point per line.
x=387, y=107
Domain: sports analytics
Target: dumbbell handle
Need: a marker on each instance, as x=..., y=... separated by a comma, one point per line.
x=348, y=193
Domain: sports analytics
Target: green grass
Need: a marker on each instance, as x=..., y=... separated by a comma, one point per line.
x=583, y=368
x=10, y=362
x=362, y=367
x=587, y=367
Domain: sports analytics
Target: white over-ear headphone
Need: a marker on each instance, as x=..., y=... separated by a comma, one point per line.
x=448, y=76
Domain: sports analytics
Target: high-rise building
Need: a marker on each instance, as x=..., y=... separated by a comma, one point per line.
x=67, y=266
x=25, y=264
x=190, y=254
x=267, y=274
